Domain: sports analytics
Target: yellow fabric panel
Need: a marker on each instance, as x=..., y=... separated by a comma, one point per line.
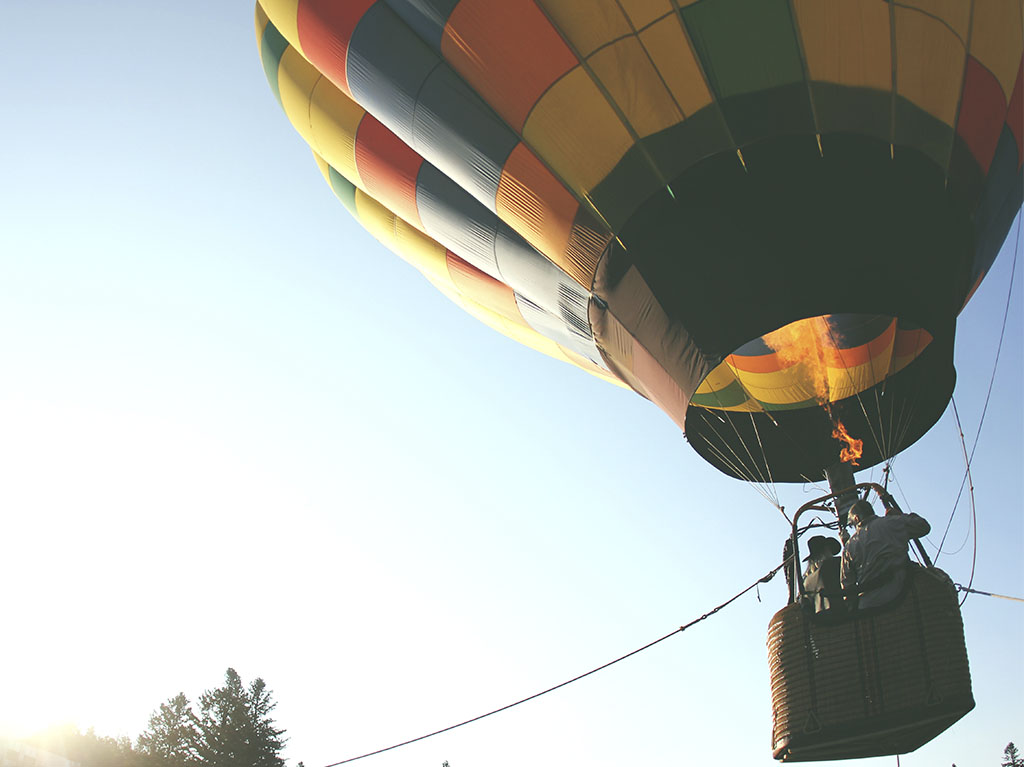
x=929, y=64
x=589, y=25
x=261, y=23
x=520, y=333
x=409, y=243
x=748, y=406
x=846, y=42
x=720, y=378
x=334, y=119
x=846, y=382
x=955, y=13
x=996, y=41
x=673, y=56
x=285, y=16
x=296, y=79
x=575, y=130
x=782, y=387
x=627, y=73
x=643, y=12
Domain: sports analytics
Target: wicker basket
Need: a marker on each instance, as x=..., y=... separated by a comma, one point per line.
x=873, y=683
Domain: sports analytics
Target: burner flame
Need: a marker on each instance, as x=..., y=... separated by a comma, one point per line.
x=854, y=447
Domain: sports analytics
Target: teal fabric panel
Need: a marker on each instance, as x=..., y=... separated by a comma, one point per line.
x=745, y=45
x=272, y=48
x=344, y=190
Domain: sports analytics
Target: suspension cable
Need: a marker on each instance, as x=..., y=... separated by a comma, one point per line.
x=679, y=630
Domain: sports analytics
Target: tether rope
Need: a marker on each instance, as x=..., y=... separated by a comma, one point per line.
x=987, y=593
x=679, y=630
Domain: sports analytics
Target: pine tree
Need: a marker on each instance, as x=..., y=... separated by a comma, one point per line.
x=171, y=737
x=1012, y=756
x=235, y=728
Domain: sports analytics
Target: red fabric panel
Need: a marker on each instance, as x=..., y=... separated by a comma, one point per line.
x=484, y=289
x=388, y=168
x=982, y=112
x=911, y=342
x=1015, y=115
x=325, y=29
x=508, y=51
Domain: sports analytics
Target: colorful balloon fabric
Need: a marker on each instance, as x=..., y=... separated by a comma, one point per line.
x=762, y=215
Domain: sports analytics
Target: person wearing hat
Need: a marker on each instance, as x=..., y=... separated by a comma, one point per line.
x=821, y=579
x=876, y=557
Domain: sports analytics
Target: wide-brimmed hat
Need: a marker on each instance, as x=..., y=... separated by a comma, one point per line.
x=819, y=544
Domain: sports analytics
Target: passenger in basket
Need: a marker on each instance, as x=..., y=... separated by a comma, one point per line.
x=821, y=579
x=876, y=559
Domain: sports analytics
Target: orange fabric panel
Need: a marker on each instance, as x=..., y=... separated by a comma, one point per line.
x=534, y=203
x=484, y=289
x=910, y=343
x=863, y=354
x=508, y=52
x=760, y=363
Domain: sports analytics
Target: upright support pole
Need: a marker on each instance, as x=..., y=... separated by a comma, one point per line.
x=841, y=481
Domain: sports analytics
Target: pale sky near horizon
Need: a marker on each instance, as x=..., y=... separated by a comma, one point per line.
x=237, y=431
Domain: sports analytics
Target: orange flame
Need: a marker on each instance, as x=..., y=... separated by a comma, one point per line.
x=854, y=447
x=805, y=342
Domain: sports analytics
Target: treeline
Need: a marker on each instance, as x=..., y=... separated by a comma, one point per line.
x=231, y=726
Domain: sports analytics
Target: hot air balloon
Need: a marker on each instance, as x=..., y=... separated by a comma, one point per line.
x=762, y=215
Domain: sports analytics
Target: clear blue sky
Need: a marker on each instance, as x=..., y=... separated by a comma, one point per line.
x=228, y=438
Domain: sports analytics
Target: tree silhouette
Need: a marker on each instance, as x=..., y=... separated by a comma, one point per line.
x=234, y=725
x=171, y=737
x=1011, y=756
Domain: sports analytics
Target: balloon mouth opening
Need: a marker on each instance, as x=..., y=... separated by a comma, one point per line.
x=815, y=361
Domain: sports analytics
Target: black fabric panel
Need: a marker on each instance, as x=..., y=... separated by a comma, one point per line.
x=767, y=113
x=845, y=109
x=1000, y=202
x=425, y=17
x=738, y=254
x=387, y=65
x=673, y=150
x=916, y=128
x=622, y=190
x=701, y=135
x=457, y=131
x=966, y=179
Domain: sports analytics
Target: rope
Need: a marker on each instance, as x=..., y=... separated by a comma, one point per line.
x=679, y=630
x=986, y=593
x=988, y=396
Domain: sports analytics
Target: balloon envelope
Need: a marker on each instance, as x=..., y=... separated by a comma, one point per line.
x=762, y=215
